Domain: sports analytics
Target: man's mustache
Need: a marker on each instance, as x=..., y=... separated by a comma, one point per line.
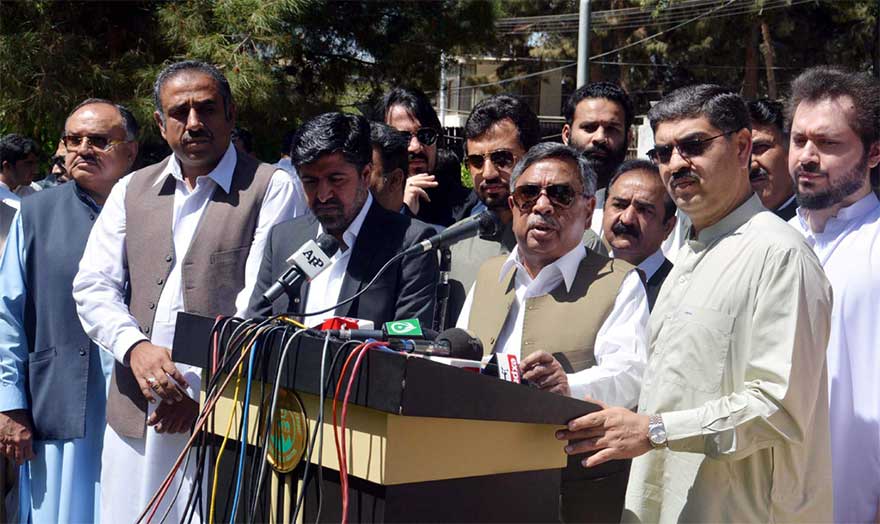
x=591, y=150
x=418, y=156
x=682, y=174
x=197, y=134
x=813, y=169
x=542, y=220
x=758, y=172
x=619, y=228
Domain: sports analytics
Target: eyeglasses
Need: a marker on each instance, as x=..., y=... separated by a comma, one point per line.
x=96, y=141
x=501, y=159
x=686, y=148
x=426, y=136
x=561, y=195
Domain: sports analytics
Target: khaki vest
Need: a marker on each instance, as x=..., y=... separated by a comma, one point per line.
x=213, y=267
x=559, y=322
x=564, y=322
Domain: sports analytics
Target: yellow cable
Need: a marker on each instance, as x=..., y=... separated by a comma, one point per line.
x=225, y=439
x=294, y=322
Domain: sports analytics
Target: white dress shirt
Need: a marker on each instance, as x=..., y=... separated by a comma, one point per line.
x=8, y=197
x=324, y=289
x=99, y=287
x=849, y=250
x=134, y=468
x=621, y=343
x=650, y=265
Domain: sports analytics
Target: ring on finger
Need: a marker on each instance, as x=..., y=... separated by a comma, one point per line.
x=154, y=384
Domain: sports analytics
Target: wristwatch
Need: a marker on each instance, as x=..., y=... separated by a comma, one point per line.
x=656, y=431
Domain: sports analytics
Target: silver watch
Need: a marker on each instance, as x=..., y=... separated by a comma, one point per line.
x=656, y=431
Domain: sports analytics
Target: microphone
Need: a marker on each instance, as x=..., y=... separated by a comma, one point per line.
x=486, y=223
x=307, y=262
x=452, y=343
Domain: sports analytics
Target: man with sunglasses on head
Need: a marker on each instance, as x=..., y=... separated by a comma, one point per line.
x=184, y=234
x=53, y=385
x=732, y=423
x=498, y=132
x=433, y=193
x=575, y=319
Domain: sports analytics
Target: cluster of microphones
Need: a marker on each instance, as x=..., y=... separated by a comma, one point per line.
x=454, y=346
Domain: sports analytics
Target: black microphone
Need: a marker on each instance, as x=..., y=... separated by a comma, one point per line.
x=486, y=223
x=306, y=263
x=452, y=343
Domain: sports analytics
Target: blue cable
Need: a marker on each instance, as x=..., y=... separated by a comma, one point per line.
x=244, y=425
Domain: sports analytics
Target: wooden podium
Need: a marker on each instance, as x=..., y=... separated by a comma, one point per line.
x=426, y=442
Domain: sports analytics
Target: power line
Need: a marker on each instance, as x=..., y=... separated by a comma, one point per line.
x=627, y=46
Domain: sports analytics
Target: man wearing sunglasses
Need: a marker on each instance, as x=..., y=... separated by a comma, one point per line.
x=498, y=132
x=54, y=387
x=834, y=145
x=433, y=193
x=769, y=170
x=733, y=416
x=576, y=319
x=184, y=234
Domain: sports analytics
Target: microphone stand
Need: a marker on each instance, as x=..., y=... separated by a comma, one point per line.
x=441, y=307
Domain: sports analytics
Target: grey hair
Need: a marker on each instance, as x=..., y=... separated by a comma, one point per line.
x=192, y=65
x=546, y=150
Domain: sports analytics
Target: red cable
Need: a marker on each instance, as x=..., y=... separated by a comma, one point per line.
x=343, y=472
x=342, y=450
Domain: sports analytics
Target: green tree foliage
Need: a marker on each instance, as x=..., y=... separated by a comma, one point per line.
x=285, y=59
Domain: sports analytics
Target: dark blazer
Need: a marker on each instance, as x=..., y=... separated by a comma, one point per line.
x=406, y=290
x=787, y=212
x=652, y=286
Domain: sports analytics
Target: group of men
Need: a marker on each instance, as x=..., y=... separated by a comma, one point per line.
x=718, y=402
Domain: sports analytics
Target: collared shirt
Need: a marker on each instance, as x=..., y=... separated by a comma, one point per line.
x=650, y=265
x=621, y=343
x=99, y=287
x=849, y=250
x=324, y=289
x=737, y=372
x=8, y=197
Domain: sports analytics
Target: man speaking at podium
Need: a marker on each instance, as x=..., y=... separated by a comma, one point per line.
x=332, y=154
x=576, y=318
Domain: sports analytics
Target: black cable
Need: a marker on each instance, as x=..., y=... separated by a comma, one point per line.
x=384, y=268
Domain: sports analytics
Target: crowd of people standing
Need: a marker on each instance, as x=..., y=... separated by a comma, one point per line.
x=718, y=299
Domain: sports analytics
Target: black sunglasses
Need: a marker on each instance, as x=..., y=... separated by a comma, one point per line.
x=686, y=148
x=560, y=195
x=426, y=136
x=501, y=159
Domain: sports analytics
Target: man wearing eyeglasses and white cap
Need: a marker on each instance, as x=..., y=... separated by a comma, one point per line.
x=575, y=319
x=733, y=415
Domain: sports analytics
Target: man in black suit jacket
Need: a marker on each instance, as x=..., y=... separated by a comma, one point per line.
x=332, y=154
x=639, y=215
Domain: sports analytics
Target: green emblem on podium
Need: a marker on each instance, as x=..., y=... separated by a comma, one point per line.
x=404, y=328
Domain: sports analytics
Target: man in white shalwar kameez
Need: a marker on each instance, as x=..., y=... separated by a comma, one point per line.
x=185, y=234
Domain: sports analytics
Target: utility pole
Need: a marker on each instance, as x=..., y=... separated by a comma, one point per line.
x=877, y=43
x=583, y=60
x=442, y=100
